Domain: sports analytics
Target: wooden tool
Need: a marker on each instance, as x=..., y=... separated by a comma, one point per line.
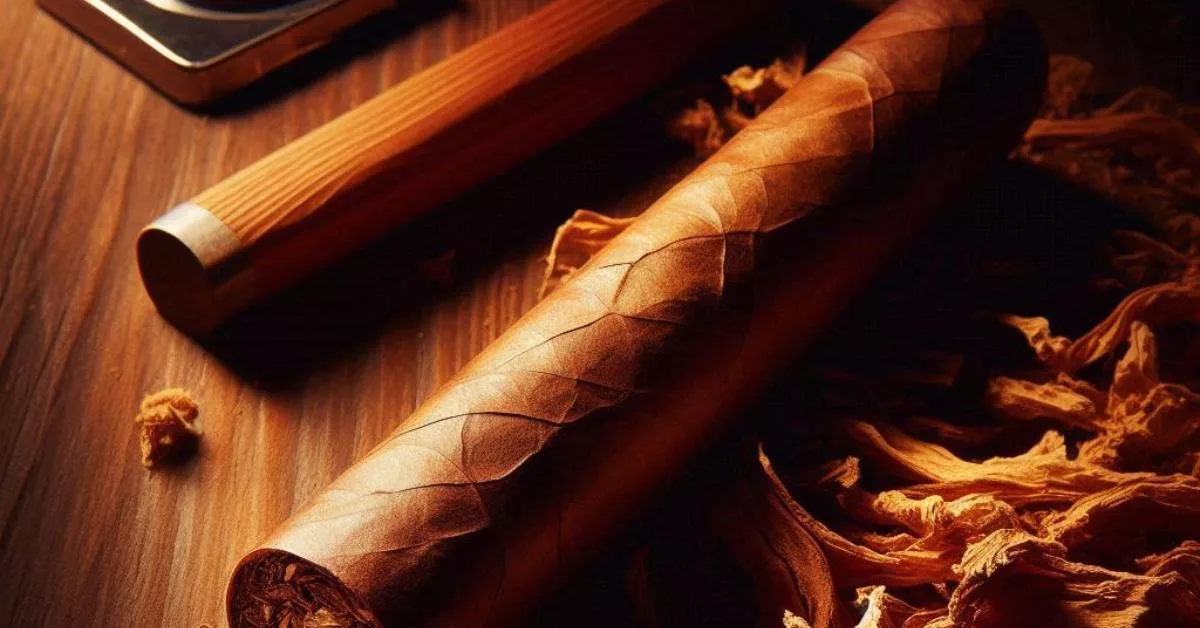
x=414, y=146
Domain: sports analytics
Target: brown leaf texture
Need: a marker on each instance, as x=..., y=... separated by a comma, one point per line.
x=879, y=609
x=809, y=577
x=1143, y=150
x=1023, y=399
x=1148, y=422
x=507, y=477
x=1159, y=304
x=1043, y=475
x=743, y=528
x=1105, y=536
x=764, y=531
x=1013, y=578
x=853, y=564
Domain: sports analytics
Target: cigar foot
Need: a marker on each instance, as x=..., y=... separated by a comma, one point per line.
x=300, y=594
x=190, y=263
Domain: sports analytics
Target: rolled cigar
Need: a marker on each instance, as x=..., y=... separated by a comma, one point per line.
x=555, y=435
x=414, y=146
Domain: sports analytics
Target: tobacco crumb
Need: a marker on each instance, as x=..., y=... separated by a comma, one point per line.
x=700, y=127
x=762, y=86
x=167, y=422
x=792, y=620
x=750, y=91
x=576, y=241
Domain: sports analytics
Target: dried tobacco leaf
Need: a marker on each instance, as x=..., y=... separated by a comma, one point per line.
x=1067, y=81
x=1115, y=526
x=792, y=620
x=1148, y=422
x=1144, y=260
x=1142, y=151
x=1143, y=422
x=1183, y=559
x=762, y=86
x=1080, y=503
x=932, y=524
x=1023, y=399
x=855, y=565
x=1044, y=475
x=879, y=609
x=1150, y=134
x=1160, y=304
x=767, y=537
x=700, y=127
x=947, y=433
x=751, y=91
x=1048, y=347
x=838, y=476
x=743, y=558
x=1012, y=578
x=296, y=594
x=575, y=242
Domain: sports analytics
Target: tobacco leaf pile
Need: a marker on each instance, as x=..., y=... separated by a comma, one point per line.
x=976, y=482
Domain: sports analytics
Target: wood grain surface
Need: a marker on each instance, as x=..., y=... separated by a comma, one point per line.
x=291, y=393
x=89, y=155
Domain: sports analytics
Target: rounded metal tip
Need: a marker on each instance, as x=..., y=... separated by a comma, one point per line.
x=194, y=268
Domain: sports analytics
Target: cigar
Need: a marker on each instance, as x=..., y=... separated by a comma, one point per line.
x=414, y=146
x=517, y=470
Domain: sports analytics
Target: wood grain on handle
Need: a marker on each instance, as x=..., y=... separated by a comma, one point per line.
x=416, y=145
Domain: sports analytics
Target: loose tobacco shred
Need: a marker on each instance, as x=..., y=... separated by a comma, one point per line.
x=760, y=87
x=751, y=91
x=701, y=127
x=1014, y=578
x=585, y=233
x=1095, y=524
x=880, y=609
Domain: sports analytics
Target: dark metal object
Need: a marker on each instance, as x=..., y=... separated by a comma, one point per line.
x=196, y=53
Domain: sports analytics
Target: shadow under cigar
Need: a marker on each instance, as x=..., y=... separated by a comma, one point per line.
x=341, y=309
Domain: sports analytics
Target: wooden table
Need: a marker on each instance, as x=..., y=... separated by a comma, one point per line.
x=88, y=155
x=291, y=394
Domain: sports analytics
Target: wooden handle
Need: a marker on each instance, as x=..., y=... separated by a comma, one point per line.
x=414, y=146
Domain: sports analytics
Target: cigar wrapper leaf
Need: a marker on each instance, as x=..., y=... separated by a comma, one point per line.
x=546, y=443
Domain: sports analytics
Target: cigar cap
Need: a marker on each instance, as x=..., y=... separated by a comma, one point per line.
x=194, y=267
